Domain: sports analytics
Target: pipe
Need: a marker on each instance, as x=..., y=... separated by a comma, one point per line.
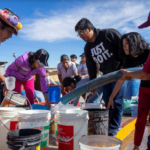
x=95, y=83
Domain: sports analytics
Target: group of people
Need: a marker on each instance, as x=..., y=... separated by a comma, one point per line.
x=106, y=50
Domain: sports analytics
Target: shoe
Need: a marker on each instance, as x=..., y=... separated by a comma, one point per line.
x=110, y=134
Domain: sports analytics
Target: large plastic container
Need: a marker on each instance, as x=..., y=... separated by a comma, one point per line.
x=134, y=107
x=72, y=125
x=54, y=93
x=99, y=142
x=132, y=88
x=8, y=121
x=98, y=119
x=36, y=119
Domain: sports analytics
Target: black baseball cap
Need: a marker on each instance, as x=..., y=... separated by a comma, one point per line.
x=42, y=57
x=73, y=56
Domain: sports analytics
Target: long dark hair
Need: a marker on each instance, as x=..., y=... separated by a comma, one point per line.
x=31, y=57
x=4, y=24
x=68, y=80
x=136, y=42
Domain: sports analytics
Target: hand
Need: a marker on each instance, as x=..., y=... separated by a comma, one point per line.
x=83, y=77
x=62, y=89
x=47, y=102
x=126, y=75
x=4, y=90
x=2, y=79
x=36, y=100
x=110, y=103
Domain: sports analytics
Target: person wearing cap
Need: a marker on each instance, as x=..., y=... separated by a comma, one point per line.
x=82, y=69
x=24, y=68
x=65, y=69
x=73, y=58
x=103, y=46
x=9, y=25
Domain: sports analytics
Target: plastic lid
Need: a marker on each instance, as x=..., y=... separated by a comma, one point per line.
x=92, y=106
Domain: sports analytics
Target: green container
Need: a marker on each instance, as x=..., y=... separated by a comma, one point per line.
x=127, y=107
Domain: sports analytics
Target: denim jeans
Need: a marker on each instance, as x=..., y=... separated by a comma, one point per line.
x=115, y=114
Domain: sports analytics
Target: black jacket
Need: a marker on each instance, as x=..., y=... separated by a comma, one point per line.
x=105, y=51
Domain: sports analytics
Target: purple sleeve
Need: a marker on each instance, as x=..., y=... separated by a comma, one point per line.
x=43, y=80
x=14, y=67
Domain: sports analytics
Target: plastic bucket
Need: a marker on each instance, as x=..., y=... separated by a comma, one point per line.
x=65, y=107
x=13, y=98
x=132, y=88
x=54, y=93
x=8, y=121
x=99, y=142
x=98, y=119
x=10, y=82
x=36, y=119
x=27, y=139
x=72, y=125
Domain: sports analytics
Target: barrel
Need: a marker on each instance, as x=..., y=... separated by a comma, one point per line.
x=54, y=93
x=28, y=138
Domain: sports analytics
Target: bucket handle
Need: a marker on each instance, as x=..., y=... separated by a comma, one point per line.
x=64, y=140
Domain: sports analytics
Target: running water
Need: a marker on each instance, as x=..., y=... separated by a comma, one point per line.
x=56, y=108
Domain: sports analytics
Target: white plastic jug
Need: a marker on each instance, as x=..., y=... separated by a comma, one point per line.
x=10, y=82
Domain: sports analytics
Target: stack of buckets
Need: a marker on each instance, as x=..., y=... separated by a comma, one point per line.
x=72, y=124
x=12, y=118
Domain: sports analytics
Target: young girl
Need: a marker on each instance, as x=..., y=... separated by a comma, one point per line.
x=23, y=69
x=136, y=48
x=72, y=83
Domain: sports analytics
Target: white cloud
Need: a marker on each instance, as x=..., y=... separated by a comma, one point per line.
x=124, y=16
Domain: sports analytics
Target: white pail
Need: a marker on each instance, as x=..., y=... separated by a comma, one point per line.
x=36, y=119
x=72, y=125
x=8, y=121
x=99, y=142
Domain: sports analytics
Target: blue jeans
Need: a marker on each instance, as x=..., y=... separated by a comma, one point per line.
x=115, y=114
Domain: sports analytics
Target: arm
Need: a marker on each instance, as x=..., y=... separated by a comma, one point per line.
x=114, y=93
x=44, y=85
x=91, y=64
x=85, y=76
x=52, y=81
x=14, y=67
x=135, y=74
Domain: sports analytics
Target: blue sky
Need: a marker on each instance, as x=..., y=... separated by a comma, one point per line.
x=49, y=24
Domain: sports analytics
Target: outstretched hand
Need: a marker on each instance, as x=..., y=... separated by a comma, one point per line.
x=126, y=75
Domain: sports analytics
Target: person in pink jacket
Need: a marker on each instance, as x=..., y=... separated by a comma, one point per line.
x=24, y=68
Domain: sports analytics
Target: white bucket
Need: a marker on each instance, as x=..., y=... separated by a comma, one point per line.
x=92, y=106
x=10, y=82
x=99, y=142
x=134, y=110
x=36, y=119
x=65, y=107
x=71, y=126
x=8, y=121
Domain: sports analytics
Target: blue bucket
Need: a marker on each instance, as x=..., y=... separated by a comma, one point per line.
x=39, y=107
x=132, y=88
x=54, y=93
